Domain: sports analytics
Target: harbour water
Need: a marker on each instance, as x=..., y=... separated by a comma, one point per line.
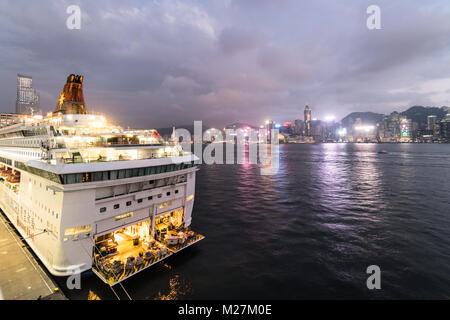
x=312, y=229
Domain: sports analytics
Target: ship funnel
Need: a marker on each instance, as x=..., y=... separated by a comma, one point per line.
x=71, y=100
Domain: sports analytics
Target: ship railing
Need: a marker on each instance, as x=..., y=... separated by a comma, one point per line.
x=100, y=144
x=119, y=158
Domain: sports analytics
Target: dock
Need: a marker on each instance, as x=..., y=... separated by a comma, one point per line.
x=21, y=275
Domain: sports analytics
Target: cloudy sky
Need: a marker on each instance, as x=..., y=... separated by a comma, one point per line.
x=158, y=63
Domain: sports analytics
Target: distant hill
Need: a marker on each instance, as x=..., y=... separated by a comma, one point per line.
x=367, y=118
x=240, y=125
x=419, y=114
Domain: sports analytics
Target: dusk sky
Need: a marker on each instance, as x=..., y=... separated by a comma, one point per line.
x=159, y=63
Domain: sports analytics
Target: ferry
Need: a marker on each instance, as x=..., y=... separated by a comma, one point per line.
x=86, y=194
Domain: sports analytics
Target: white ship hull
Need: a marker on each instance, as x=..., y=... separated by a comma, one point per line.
x=41, y=205
x=84, y=193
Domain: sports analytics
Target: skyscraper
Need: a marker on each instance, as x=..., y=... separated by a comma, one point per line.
x=299, y=125
x=431, y=120
x=27, y=101
x=405, y=130
x=307, y=119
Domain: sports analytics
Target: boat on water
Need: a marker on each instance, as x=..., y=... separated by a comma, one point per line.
x=86, y=194
x=382, y=151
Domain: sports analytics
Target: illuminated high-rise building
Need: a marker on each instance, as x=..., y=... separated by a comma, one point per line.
x=27, y=101
x=405, y=129
x=307, y=119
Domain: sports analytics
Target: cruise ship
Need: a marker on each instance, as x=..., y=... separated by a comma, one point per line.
x=87, y=194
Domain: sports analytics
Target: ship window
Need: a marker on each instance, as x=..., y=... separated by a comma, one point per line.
x=176, y=191
x=128, y=173
x=128, y=203
x=151, y=182
x=72, y=178
x=123, y=216
x=87, y=177
x=113, y=174
x=165, y=204
x=76, y=230
x=122, y=174
x=168, y=194
x=97, y=176
x=116, y=206
x=139, y=200
x=159, y=195
x=102, y=209
x=150, y=198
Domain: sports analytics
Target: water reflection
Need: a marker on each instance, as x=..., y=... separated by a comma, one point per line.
x=329, y=212
x=179, y=288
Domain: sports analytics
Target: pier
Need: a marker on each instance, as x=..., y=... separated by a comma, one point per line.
x=21, y=276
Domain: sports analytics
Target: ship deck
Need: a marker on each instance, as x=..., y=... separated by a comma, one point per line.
x=104, y=270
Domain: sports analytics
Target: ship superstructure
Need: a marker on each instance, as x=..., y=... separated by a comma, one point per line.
x=86, y=194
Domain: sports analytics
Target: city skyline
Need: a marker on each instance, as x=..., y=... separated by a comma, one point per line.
x=176, y=62
x=27, y=102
